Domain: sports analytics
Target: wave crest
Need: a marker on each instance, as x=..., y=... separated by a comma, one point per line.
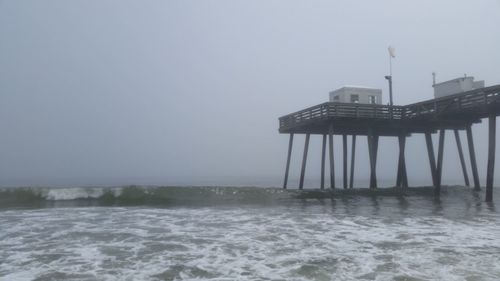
x=181, y=195
x=136, y=195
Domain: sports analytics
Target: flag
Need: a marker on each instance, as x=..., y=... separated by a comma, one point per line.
x=392, y=51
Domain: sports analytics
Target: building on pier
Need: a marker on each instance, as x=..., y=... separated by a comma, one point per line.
x=357, y=94
x=456, y=86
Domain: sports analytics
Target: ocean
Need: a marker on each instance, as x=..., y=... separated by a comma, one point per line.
x=247, y=233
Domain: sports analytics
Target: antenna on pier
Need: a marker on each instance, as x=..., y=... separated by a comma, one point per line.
x=433, y=79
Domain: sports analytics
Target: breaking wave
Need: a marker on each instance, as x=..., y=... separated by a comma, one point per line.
x=179, y=195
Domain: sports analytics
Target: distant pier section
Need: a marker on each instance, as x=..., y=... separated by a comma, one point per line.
x=357, y=111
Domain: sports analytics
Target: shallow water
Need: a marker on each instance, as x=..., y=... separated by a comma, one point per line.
x=249, y=234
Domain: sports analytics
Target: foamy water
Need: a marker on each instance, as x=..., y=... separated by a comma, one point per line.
x=344, y=238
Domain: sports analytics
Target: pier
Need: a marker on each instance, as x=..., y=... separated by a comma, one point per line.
x=455, y=113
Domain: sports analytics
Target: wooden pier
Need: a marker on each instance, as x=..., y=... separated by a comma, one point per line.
x=454, y=112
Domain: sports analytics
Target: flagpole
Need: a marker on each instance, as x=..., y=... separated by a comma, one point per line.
x=389, y=77
x=390, y=65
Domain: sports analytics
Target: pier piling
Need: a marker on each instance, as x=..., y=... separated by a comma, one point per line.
x=372, y=151
x=304, y=161
x=323, y=150
x=332, y=160
x=432, y=159
x=344, y=145
x=461, y=155
x=353, y=154
x=491, y=157
x=472, y=156
x=290, y=144
x=402, y=177
x=439, y=168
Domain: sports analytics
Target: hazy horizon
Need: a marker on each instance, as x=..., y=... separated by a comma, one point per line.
x=165, y=92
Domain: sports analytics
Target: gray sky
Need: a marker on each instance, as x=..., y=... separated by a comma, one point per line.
x=167, y=92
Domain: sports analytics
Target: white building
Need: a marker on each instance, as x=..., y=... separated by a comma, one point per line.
x=357, y=94
x=455, y=86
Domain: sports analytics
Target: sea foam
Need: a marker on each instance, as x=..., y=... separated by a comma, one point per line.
x=338, y=239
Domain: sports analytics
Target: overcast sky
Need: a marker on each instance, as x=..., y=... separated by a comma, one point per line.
x=189, y=92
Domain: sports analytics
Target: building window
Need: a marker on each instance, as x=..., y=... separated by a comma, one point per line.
x=373, y=99
x=355, y=98
x=336, y=98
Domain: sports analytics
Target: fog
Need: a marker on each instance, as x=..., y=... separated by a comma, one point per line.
x=189, y=92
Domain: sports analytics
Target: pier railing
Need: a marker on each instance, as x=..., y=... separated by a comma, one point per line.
x=338, y=110
x=476, y=101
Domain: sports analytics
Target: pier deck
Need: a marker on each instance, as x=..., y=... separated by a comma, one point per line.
x=450, y=112
x=453, y=112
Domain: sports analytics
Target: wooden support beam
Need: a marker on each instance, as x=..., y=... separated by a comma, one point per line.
x=405, y=174
x=492, y=121
x=439, y=168
x=432, y=159
x=402, y=178
x=472, y=156
x=369, y=138
x=332, y=162
x=304, y=161
x=353, y=154
x=375, y=155
x=344, y=145
x=461, y=155
x=399, y=171
x=323, y=150
x=372, y=151
x=398, y=175
x=287, y=169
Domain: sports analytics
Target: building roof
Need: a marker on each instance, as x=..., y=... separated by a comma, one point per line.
x=359, y=87
x=454, y=80
x=353, y=87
